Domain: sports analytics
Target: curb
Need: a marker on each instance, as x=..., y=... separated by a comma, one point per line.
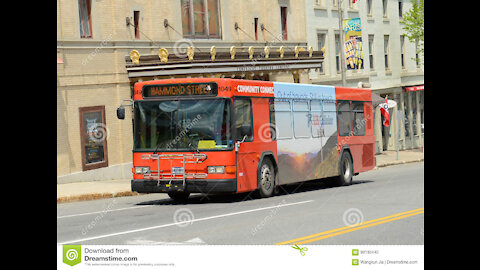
x=398, y=163
x=95, y=196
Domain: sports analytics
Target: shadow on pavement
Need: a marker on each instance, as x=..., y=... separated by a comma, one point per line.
x=283, y=190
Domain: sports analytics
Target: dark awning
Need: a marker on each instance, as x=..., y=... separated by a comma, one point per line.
x=223, y=62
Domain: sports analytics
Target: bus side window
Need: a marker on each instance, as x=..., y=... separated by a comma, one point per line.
x=301, y=119
x=344, y=118
x=283, y=114
x=316, y=119
x=273, y=128
x=358, y=114
x=243, y=119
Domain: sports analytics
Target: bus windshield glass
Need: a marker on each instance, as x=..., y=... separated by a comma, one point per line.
x=182, y=125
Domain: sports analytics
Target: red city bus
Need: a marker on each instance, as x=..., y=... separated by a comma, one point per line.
x=212, y=135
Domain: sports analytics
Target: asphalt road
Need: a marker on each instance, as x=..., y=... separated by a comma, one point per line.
x=381, y=207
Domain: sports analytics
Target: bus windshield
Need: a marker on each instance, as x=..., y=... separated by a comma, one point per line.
x=182, y=125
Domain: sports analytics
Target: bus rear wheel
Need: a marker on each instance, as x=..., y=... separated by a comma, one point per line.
x=345, y=170
x=178, y=196
x=266, y=179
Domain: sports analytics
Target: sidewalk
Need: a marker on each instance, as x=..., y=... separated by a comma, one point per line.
x=388, y=158
x=83, y=191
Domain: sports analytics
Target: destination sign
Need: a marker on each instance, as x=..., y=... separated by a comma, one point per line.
x=180, y=90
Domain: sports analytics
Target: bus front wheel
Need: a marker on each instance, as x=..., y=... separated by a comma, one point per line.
x=266, y=179
x=178, y=196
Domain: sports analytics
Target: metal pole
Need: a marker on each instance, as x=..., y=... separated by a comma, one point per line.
x=342, y=42
x=397, y=127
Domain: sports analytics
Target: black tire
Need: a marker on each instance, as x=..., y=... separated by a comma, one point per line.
x=178, y=196
x=266, y=179
x=345, y=168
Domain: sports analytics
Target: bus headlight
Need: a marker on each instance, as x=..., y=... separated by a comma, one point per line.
x=142, y=170
x=216, y=169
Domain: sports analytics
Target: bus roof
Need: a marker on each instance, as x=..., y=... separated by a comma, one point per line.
x=238, y=87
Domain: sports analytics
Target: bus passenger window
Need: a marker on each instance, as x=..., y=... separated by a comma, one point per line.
x=316, y=119
x=283, y=119
x=273, y=128
x=244, y=119
x=358, y=118
x=301, y=119
x=344, y=118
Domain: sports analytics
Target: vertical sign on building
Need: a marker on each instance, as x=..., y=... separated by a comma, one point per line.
x=353, y=43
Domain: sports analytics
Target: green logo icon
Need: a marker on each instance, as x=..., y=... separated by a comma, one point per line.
x=354, y=261
x=72, y=254
x=355, y=252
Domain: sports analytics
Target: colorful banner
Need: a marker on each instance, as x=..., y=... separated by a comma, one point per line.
x=353, y=43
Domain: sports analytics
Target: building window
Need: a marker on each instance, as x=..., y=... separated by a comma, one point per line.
x=351, y=4
x=385, y=2
x=370, y=52
x=402, y=48
x=417, y=60
x=283, y=15
x=321, y=43
x=319, y=3
x=93, y=132
x=200, y=18
x=386, y=49
x=255, y=25
x=136, y=23
x=84, y=10
x=337, y=52
x=369, y=8
x=400, y=9
x=335, y=3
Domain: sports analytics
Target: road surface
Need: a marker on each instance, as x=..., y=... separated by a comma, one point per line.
x=381, y=207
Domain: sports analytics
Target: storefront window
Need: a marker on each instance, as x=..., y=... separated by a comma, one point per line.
x=93, y=137
x=414, y=112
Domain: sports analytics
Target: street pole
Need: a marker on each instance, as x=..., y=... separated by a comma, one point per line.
x=397, y=130
x=342, y=42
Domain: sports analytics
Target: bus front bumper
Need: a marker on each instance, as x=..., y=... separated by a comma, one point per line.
x=209, y=186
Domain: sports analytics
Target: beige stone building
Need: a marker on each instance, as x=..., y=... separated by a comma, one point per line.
x=94, y=37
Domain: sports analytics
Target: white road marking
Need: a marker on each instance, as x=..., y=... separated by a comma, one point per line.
x=179, y=223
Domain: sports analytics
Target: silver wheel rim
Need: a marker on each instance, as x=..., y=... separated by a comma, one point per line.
x=267, y=178
x=346, y=169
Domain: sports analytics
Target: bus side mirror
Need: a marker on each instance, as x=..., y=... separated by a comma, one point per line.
x=246, y=130
x=121, y=112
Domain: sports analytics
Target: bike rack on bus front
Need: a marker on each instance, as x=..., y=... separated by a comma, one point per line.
x=185, y=158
